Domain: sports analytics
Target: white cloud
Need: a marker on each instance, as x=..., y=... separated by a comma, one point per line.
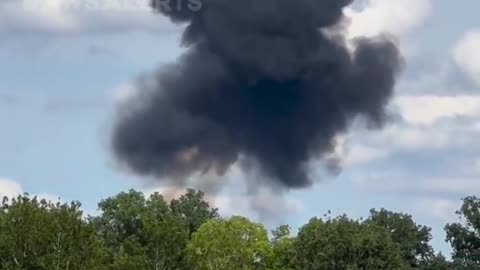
x=398, y=17
x=14, y=18
x=378, y=179
x=405, y=182
x=438, y=208
x=428, y=123
x=362, y=153
x=349, y=152
x=467, y=56
x=122, y=92
x=439, y=138
x=428, y=109
x=28, y=17
x=9, y=188
x=273, y=204
x=438, y=80
x=462, y=186
x=265, y=204
x=409, y=137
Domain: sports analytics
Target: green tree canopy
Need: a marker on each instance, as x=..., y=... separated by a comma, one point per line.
x=342, y=243
x=36, y=234
x=412, y=239
x=141, y=233
x=437, y=262
x=134, y=232
x=283, y=248
x=193, y=210
x=465, y=237
x=234, y=243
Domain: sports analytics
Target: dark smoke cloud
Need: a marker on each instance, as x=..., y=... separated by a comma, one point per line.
x=261, y=80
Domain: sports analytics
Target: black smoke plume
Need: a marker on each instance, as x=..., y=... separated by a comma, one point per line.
x=271, y=81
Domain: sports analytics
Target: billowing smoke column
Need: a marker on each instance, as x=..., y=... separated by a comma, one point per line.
x=271, y=81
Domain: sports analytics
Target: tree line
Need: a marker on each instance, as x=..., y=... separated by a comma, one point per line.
x=135, y=232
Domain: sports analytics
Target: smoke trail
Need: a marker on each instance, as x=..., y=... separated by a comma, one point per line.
x=261, y=80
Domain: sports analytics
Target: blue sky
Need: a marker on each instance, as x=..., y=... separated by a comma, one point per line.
x=63, y=71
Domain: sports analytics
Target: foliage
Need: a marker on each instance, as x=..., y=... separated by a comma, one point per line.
x=465, y=238
x=437, y=262
x=412, y=239
x=134, y=232
x=234, y=243
x=141, y=233
x=342, y=243
x=36, y=234
x=283, y=248
x=193, y=210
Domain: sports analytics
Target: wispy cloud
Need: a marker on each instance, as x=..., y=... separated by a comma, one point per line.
x=398, y=17
x=11, y=188
x=54, y=17
x=467, y=55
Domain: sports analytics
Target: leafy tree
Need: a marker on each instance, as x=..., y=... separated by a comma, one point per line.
x=41, y=235
x=465, y=238
x=437, y=262
x=412, y=239
x=193, y=210
x=141, y=233
x=138, y=233
x=283, y=248
x=342, y=243
x=235, y=243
